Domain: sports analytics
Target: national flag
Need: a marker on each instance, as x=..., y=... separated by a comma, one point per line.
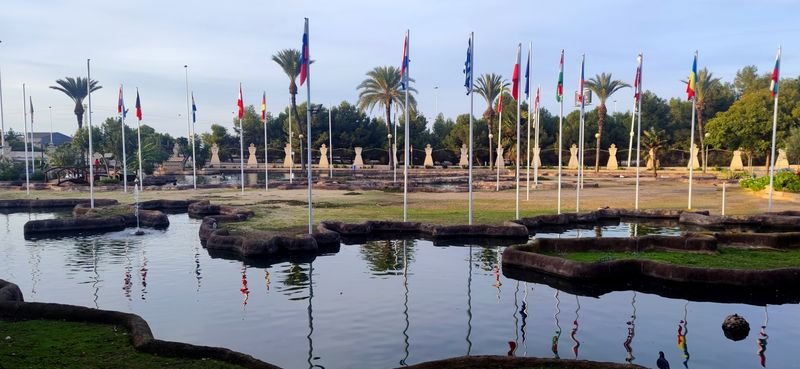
x=138, y=106
x=240, y=103
x=120, y=103
x=528, y=75
x=691, y=83
x=264, y=107
x=468, y=68
x=773, y=85
x=536, y=101
x=304, y=62
x=560, y=87
x=581, y=83
x=637, y=82
x=30, y=100
x=500, y=103
x=404, y=65
x=194, y=110
x=515, y=75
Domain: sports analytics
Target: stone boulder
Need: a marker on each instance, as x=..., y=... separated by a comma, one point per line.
x=10, y=292
x=735, y=327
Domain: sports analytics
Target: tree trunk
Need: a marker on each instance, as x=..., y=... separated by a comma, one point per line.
x=293, y=92
x=601, y=118
x=701, y=132
x=79, y=113
x=389, y=129
x=489, y=116
x=655, y=164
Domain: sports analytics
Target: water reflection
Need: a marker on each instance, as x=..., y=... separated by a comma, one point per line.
x=243, y=289
x=266, y=278
x=382, y=256
x=512, y=345
x=143, y=274
x=127, y=282
x=34, y=259
x=197, y=270
x=762, y=340
x=683, y=331
x=523, y=312
x=574, y=332
x=95, y=275
x=557, y=334
x=311, y=356
x=405, y=306
x=295, y=281
x=628, y=344
x=469, y=303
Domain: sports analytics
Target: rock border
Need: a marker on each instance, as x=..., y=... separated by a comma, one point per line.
x=51, y=203
x=141, y=336
x=506, y=362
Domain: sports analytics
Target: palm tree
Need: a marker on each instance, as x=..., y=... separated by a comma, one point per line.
x=653, y=141
x=489, y=86
x=603, y=87
x=382, y=88
x=76, y=89
x=289, y=61
x=705, y=80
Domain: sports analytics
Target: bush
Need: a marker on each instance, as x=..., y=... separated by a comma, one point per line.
x=37, y=175
x=10, y=171
x=784, y=181
x=108, y=180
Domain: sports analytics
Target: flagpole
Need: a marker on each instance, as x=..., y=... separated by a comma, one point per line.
x=291, y=148
x=633, y=125
x=536, y=141
x=139, y=139
x=471, y=108
x=580, y=138
x=266, y=146
x=2, y=116
x=406, y=133
x=308, y=130
x=639, y=129
x=25, y=124
x=241, y=140
x=395, y=145
x=774, y=128
x=519, y=128
x=530, y=110
x=691, y=140
x=330, y=144
x=499, y=133
x=560, y=94
x=189, y=127
x=124, y=152
x=91, y=152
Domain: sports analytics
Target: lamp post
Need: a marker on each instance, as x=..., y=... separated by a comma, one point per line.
x=436, y=101
x=597, y=153
x=491, y=163
x=705, y=160
x=391, y=162
x=50, y=108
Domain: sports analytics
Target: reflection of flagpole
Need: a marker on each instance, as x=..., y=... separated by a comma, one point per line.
x=311, y=314
x=524, y=313
x=631, y=332
x=405, y=303
x=762, y=339
x=573, y=334
x=469, y=303
x=557, y=334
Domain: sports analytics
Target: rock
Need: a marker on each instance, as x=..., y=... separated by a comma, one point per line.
x=10, y=292
x=735, y=327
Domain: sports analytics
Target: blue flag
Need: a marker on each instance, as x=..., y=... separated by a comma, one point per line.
x=194, y=110
x=528, y=75
x=468, y=68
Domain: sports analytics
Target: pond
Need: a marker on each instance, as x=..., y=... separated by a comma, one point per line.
x=379, y=304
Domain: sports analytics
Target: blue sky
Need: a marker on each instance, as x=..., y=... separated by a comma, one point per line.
x=146, y=43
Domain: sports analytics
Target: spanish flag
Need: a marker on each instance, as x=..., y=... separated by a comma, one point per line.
x=264, y=106
x=691, y=83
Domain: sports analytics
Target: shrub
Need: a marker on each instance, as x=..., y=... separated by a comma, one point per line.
x=784, y=181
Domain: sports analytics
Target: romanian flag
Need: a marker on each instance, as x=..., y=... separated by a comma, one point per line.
x=637, y=82
x=773, y=85
x=240, y=103
x=194, y=110
x=560, y=87
x=138, y=107
x=404, y=65
x=581, y=83
x=691, y=83
x=304, y=56
x=515, y=75
x=264, y=107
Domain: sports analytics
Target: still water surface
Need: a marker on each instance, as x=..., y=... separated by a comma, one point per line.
x=380, y=304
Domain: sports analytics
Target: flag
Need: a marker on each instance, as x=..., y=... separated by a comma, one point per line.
x=194, y=110
x=637, y=82
x=690, y=84
x=536, y=101
x=560, y=87
x=120, y=103
x=515, y=75
x=240, y=103
x=468, y=68
x=500, y=103
x=528, y=75
x=264, y=107
x=773, y=85
x=30, y=99
x=404, y=65
x=580, y=87
x=304, y=56
x=138, y=106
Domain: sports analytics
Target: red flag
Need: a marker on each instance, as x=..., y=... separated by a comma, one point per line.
x=264, y=107
x=515, y=75
x=500, y=103
x=138, y=106
x=240, y=103
x=304, y=56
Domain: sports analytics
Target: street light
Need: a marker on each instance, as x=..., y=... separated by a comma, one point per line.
x=391, y=162
x=705, y=159
x=491, y=163
x=597, y=153
x=436, y=100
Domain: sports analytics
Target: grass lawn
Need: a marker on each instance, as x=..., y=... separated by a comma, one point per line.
x=57, y=344
x=727, y=258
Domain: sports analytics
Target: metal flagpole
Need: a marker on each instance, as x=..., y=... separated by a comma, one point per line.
x=308, y=129
x=499, y=142
x=630, y=141
x=560, y=129
x=536, y=141
x=124, y=152
x=406, y=135
x=140, y=174
x=691, y=142
x=774, y=131
x=2, y=115
x=291, y=148
x=519, y=128
x=530, y=110
x=580, y=139
x=50, y=108
x=471, y=66
x=91, y=152
x=241, y=140
x=639, y=130
x=190, y=131
x=395, y=145
x=330, y=144
x=25, y=124
x=266, y=146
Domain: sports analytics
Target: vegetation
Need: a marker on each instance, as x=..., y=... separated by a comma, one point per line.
x=603, y=87
x=727, y=258
x=289, y=61
x=490, y=86
x=783, y=181
x=77, y=90
x=58, y=344
x=652, y=141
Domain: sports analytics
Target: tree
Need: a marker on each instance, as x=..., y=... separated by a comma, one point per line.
x=652, y=141
x=76, y=89
x=747, y=79
x=711, y=97
x=382, y=88
x=289, y=61
x=603, y=87
x=490, y=86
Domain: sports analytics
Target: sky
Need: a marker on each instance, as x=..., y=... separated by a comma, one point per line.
x=146, y=44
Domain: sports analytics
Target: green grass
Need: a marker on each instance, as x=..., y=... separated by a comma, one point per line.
x=727, y=258
x=57, y=344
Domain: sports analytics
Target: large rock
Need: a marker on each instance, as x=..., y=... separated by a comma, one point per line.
x=735, y=328
x=52, y=203
x=10, y=292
